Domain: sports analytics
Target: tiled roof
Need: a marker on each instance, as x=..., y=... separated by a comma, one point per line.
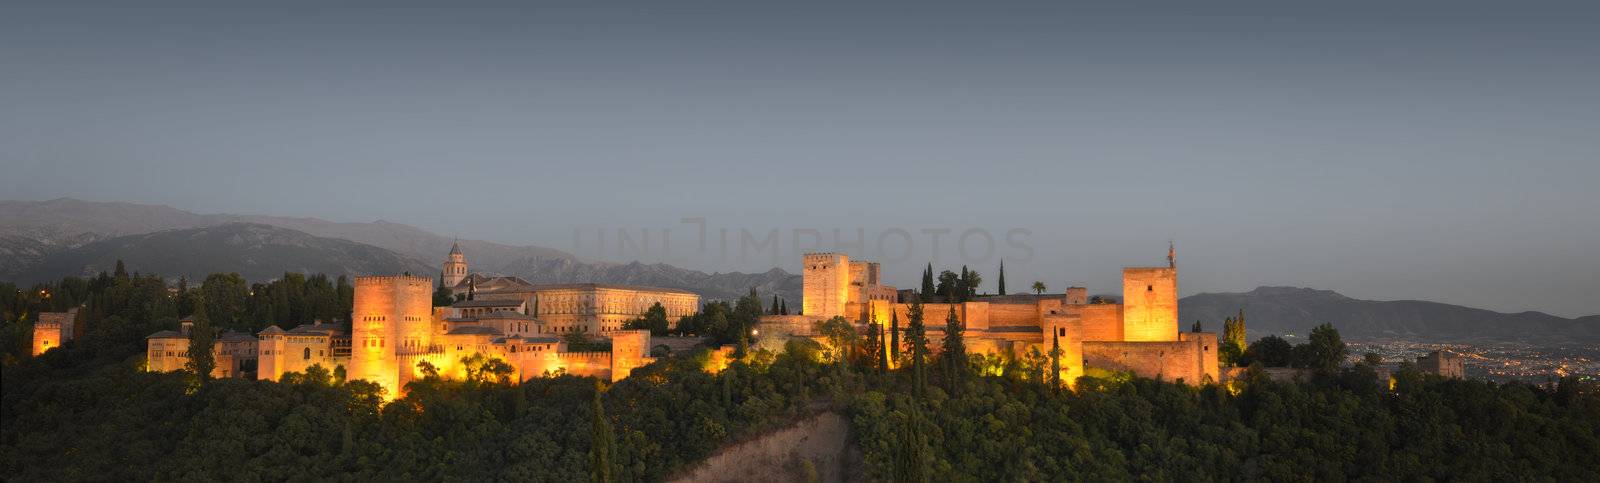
x=593, y=286
x=271, y=329
x=474, y=330
x=235, y=336
x=166, y=334
x=506, y=314
x=465, y=304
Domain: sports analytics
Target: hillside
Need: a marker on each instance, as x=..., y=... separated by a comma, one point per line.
x=258, y=252
x=46, y=239
x=1291, y=310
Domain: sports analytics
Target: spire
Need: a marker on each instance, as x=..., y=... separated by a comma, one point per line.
x=455, y=247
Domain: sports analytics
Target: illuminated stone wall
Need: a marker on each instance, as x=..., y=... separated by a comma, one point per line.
x=1169, y=361
x=1149, y=304
x=382, y=306
x=46, y=336
x=825, y=281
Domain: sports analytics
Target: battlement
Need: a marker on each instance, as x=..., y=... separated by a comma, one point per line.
x=585, y=357
x=392, y=279
x=821, y=255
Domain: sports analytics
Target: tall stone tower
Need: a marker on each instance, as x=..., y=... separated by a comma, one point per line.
x=383, y=305
x=825, y=280
x=1150, y=303
x=455, y=267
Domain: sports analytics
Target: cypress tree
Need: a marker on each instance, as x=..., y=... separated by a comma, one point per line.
x=883, y=358
x=201, y=339
x=1055, y=361
x=917, y=336
x=1002, y=282
x=601, y=444
x=955, y=349
x=894, y=338
x=774, y=310
x=927, y=283
x=783, y=307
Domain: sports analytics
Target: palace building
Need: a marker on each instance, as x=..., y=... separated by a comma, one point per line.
x=1139, y=335
x=396, y=335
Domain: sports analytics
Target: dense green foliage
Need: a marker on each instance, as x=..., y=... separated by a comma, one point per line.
x=87, y=411
x=1335, y=427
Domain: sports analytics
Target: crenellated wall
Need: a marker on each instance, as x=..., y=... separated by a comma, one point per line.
x=384, y=308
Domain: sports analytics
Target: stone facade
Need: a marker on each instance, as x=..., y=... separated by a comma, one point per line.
x=1140, y=335
x=396, y=330
x=564, y=308
x=1443, y=363
x=53, y=329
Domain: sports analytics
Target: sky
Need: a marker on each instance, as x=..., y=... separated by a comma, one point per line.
x=1442, y=151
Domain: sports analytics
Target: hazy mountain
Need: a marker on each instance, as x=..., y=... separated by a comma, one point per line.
x=726, y=286
x=258, y=252
x=1291, y=310
x=67, y=222
x=48, y=239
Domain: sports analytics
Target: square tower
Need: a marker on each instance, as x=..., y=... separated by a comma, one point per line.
x=825, y=279
x=1150, y=304
x=382, y=307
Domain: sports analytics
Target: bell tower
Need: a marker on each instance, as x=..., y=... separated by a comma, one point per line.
x=455, y=266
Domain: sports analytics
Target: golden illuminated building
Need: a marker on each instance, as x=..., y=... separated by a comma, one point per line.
x=1139, y=335
x=53, y=329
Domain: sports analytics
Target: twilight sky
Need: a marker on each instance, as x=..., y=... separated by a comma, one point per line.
x=1447, y=151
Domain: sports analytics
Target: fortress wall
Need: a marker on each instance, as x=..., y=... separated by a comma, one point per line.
x=46, y=336
x=1008, y=315
x=786, y=324
x=1168, y=361
x=1100, y=321
x=1067, y=331
x=629, y=350
x=1150, y=304
x=595, y=364
x=1209, y=347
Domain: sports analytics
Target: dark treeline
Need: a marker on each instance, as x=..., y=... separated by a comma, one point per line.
x=86, y=411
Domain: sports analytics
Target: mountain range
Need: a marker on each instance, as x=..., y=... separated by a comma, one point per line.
x=45, y=240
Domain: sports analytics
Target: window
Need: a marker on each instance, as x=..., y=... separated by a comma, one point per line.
x=1062, y=331
x=307, y=355
x=1149, y=288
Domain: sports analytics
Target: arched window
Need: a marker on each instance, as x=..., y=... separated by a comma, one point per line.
x=307, y=355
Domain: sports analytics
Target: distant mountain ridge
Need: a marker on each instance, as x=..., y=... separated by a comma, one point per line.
x=1294, y=310
x=258, y=252
x=42, y=240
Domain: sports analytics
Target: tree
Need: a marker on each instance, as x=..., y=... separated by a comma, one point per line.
x=874, y=347
x=894, y=338
x=1195, y=327
x=1372, y=359
x=971, y=283
x=1232, y=345
x=1055, y=361
x=1270, y=351
x=841, y=336
x=955, y=349
x=1325, y=351
x=121, y=272
x=949, y=285
x=202, y=337
x=882, y=353
x=774, y=310
x=928, y=289
x=602, y=445
x=1038, y=287
x=441, y=294
x=653, y=320
x=783, y=307
x=225, y=296
x=917, y=337
x=1000, y=284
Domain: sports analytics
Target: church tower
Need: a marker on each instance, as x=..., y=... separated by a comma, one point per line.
x=455, y=267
